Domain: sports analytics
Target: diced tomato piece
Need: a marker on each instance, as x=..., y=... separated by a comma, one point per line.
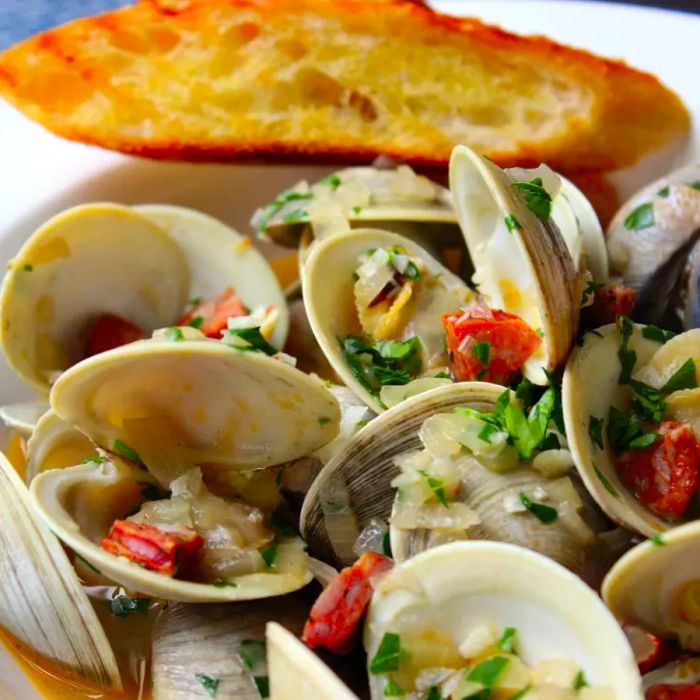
x=166, y=551
x=110, y=331
x=215, y=313
x=338, y=611
x=664, y=476
x=673, y=692
x=609, y=302
x=650, y=651
x=510, y=343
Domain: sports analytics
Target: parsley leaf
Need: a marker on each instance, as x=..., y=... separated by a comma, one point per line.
x=388, y=654
x=269, y=212
x=526, y=392
x=512, y=224
x=647, y=401
x=627, y=357
x=589, y=290
x=488, y=672
x=625, y=430
x=544, y=513
x=174, y=334
x=684, y=377
x=437, y=486
x=324, y=420
x=482, y=352
x=580, y=681
x=269, y=554
x=507, y=641
x=640, y=218
x=595, y=430
x=657, y=540
x=434, y=693
x=255, y=340
x=333, y=180
x=393, y=690
x=536, y=197
x=295, y=216
x=658, y=334
x=120, y=447
x=95, y=459
x=196, y=322
x=262, y=685
x=664, y=192
x=122, y=605
x=253, y=653
x=28, y=268
x=210, y=684
x=606, y=483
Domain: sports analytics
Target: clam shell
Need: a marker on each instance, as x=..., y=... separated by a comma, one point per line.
x=456, y=587
x=365, y=468
x=23, y=417
x=219, y=257
x=89, y=260
x=193, y=642
x=55, y=444
x=211, y=403
x=330, y=302
x=44, y=604
x=657, y=586
x=296, y=672
x=590, y=387
x=532, y=260
x=678, y=672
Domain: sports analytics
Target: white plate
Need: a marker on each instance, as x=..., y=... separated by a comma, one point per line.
x=41, y=174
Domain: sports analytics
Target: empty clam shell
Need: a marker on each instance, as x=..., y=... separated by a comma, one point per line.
x=441, y=596
x=23, y=417
x=44, y=604
x=646, y=233
x=330, y=302
x=198, y=400
x=522, y=262
x=219, y=257
x=218, y=649
x=590, y=387
x=296, y=672
x=656, y=585
x=355, y=486
x=87, y=261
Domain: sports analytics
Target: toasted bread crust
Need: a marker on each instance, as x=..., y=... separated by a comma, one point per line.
x=160, y=79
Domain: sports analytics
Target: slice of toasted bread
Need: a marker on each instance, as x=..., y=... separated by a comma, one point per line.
x=336, y=80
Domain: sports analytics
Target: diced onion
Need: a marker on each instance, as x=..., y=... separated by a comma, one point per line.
x=477, y=641
x=558, y=672
x=391, y=395
x=553, y=463
x=456, y=516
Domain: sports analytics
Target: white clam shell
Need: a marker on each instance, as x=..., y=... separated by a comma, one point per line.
x=678, y=672
x=656, y=585
x=23, y=417
x=296, y=672
x=459, y=586
x=330, y=302
x=532, y=259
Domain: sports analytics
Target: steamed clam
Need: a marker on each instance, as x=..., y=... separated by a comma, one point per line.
x=630, y=396
x=375, y=301
x=100, y=275
x=425, y=467
x=164, y=413
x=652, y=246
x=467, y=618
x=522, y=262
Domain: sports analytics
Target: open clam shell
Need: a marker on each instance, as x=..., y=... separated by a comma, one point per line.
x=330, y=301
x=296, y=672
x=23, y=417
x=522, y=263
x=590, y=387
x=89, y=260
x=44, y=604
x=218, y=257
x=211, y=403
x=445, y=593
x=217, y=647
x=656, y=585
x=654, y=225
x=355, y=487
x=677, y=673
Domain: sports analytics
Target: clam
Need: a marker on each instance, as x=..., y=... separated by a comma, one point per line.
x=296, y=672
x=172, y=405
x=656, y=585
x=652, y=246
x=677, y=673
x=217, y=649
x=355, y=488
x=23, y=417
x=341, y=307
x=469, y=616
x=44, y=604
x=591, y=393
x=521, y=259
x=95, y=262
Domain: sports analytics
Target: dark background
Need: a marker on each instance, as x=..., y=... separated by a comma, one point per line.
x=21, y=18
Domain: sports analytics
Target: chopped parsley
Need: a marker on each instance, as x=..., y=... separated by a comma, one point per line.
x=482, y=352
x=271, y=210
x=174, y=333
x=536, y=197
x=388, y=654
x=664, y=192
x=641, y=217
x=684, y=377
x=324, y=420
x=488, y=672
x=333, y=180
x=122, y=605
x=657, y=540
x=295, y=216
x=526, y=392
x=121, y=448
x=386, y=362
x=512, y=224
x=627, y=357
x=393, y=690
x=356, y=210
x=442, y=375
x=437, y=486
x=262, y=685
x=625, y=431
x=386, y=545
x=253, y=653
x=606, y=483
x=28, y=268
x=595, y=430
x=434, y=693
x=95, y=459
x=658, y=334
x=544, y=513
x=210, y=684
x=195, y=301
x=507, y=641
x=225, y=584
x=196, y=322
x=589, y=291
x=521, y=693
x=254, y=339
x=580, y=681
x=269, y=554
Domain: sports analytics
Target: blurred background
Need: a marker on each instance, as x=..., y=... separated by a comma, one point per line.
x=21, y=18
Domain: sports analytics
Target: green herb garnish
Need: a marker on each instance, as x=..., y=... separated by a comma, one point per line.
x=393, y=690
x=482, y=352
x=174, y=333
x=627, y=357
x=684, y=377
x=122, y=605
x=120, y=447
x=95, y=459
x=356, y=210
x=640, y=218
x=262, y=685
x=295, y=216
x=210, y=685
x=658, y=334
x=388, y=654
x=606, y=483
x=507, y=641
x=544, y=513
x=254, y=338
x=595, y=430
x=324, y=420
x=333, y=180
x=434, y=694
x=589, y=290
x=625, y=431
x=253, y=653
x=536, y=197
x=580, y=681
x=442, y=375
x=664, y=192
x=657, y=540
x=437, y=486
x=269, y=554
x=512, y=224
x=196, y=322
x=488, y=672
x=273, y=208
x=28, y=268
